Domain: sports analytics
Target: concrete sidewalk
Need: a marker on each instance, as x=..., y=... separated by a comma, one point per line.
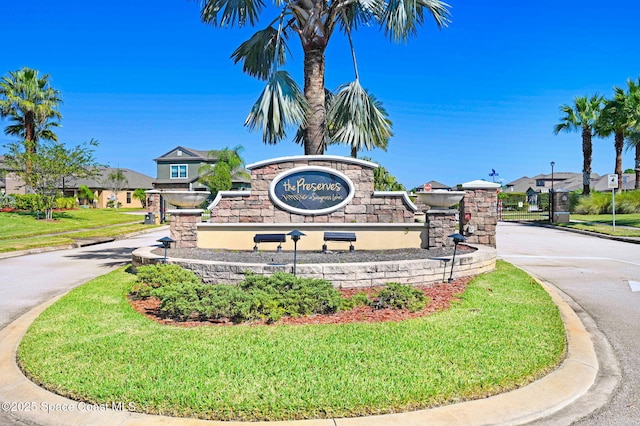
x=23, y=402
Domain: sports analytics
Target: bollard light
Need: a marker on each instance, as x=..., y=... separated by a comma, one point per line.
x=457, y=239
x=166, y=244
x=295, y=236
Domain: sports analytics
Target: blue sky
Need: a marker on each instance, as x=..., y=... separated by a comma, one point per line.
x=145, y=76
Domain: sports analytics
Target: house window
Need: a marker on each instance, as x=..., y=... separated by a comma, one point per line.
x=128, y=197
x=178, y=171
x=540, y=182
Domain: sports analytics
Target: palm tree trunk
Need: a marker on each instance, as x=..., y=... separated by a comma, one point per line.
x=29, y=138
x=587, y=152
x=637, y=167
x=619, y=144
x=314, y=92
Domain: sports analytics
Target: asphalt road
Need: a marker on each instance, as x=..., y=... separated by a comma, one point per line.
x=27, y=281
x=600, y=275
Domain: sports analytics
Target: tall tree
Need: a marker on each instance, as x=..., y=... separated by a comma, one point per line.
x=582, y=116
x=50, y=165
x=360, y=120
x=620, y=115
x=633, y=141
x=31, y=104
x=228, y=166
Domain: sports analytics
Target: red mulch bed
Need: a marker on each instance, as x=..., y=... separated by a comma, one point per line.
x=441, y=295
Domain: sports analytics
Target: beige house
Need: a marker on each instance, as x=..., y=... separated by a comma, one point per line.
x=103, y=190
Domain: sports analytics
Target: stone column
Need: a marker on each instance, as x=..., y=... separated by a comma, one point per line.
x=153, y=202
x=183, y=227
x=440, y=224
x=479, y=212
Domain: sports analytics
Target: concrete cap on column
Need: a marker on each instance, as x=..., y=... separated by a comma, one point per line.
x=480, y=184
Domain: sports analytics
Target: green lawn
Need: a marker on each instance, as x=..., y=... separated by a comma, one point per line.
x=91, y=345
x=20, y=231
x=603, y=224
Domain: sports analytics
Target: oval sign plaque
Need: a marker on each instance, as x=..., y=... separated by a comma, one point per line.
x=311, y=190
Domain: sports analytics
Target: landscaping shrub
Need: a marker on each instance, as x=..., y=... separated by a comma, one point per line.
x=7, y=201
x=296, y=296
x=155, y=276
x=628, y=202
x=358, y=299
x=65, y=203
x=400, y=296
x=184, y=297
x=28, y=202
x=595, y=203
x=188, y=300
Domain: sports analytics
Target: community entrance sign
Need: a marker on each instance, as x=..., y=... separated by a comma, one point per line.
x=311, y=190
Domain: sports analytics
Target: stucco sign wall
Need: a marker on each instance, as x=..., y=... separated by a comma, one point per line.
x=311, y=190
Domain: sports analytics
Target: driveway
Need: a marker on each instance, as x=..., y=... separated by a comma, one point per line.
x=603, y=278
x=27, y=281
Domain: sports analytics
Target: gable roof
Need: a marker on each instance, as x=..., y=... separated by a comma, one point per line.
x=183, y=154
x=434, y=185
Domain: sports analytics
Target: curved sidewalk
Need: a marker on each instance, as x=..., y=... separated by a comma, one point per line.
x=25, y=402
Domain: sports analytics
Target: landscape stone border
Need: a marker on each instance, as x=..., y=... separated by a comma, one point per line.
x=341, y=275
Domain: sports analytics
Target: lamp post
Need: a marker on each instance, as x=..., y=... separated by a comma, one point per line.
x=295, y=236
x=551, y=206
x=166, y=244
x=457, y=238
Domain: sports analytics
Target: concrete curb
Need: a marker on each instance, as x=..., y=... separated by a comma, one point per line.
x=25, y=401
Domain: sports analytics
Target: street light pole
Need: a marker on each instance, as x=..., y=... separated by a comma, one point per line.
x=551, y=206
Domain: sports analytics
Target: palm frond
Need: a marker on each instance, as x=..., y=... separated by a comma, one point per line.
x=280, y=105
x=360, y=12
x=258, y=53
x=401, y=18
x=357, y=118
x=227, y=13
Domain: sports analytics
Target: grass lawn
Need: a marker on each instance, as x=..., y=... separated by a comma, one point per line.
x=21, y=231
x=603, y=224
x=91, y=345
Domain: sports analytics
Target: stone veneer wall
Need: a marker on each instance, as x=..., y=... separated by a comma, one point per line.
x=366, y=206
x=480, y=202
x=341, y=275
x=183, y=227
x=440, y=224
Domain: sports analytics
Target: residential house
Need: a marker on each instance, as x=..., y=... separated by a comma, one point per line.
x=10, y=183
x=103, y=188
x=103, y=192
x=433, y=184
x=179, y=168
x=564, y=181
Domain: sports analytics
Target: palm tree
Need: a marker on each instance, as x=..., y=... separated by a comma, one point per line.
x=633, y=141
x=620, y=116
x=582, y=116
x=281, y=103
x=31, y=104
x=228, y=166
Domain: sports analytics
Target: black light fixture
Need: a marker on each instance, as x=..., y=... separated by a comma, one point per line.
x=553, y=163
x=295, y=236
x=457, y=239
x=166, y=244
